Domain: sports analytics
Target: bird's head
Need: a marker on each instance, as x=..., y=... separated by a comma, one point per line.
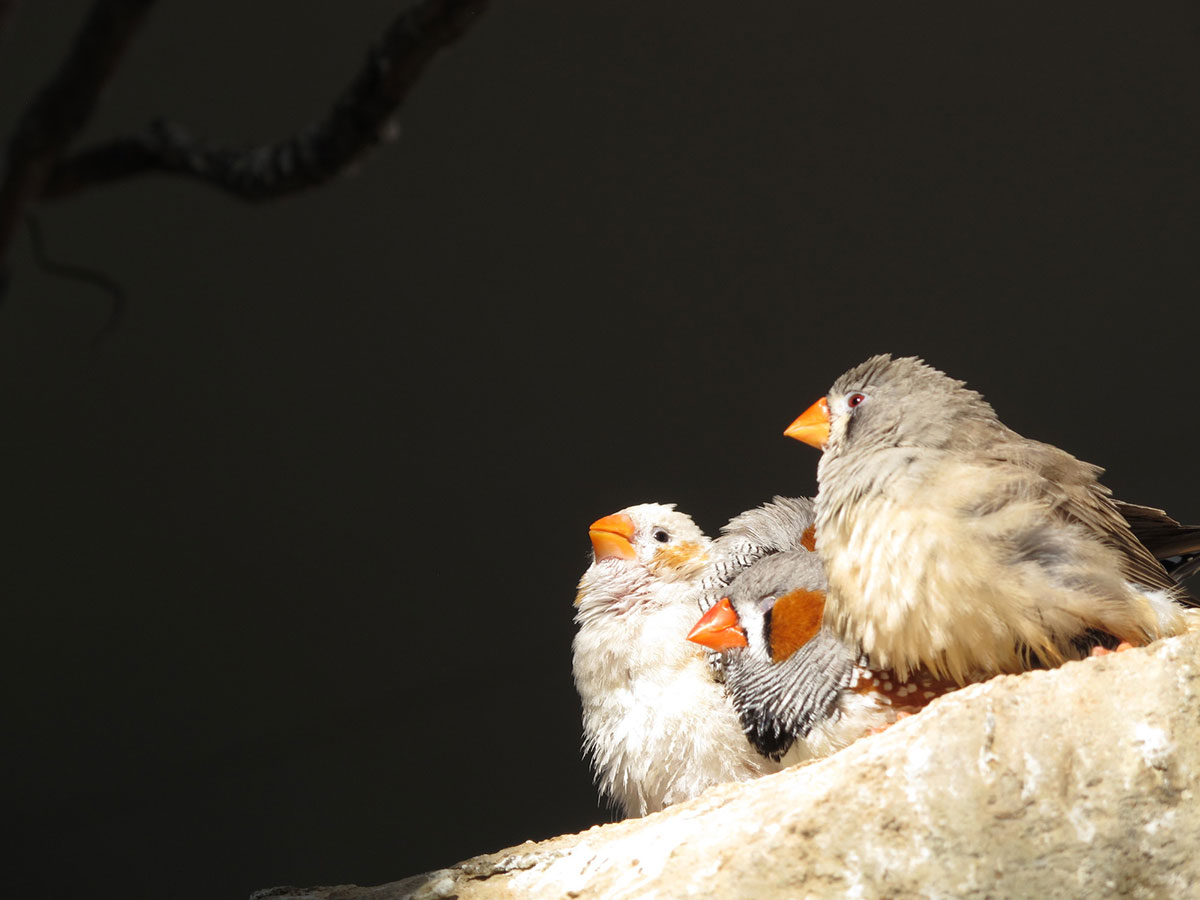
x=771, y=610
x=889, y=402
x=651, y=545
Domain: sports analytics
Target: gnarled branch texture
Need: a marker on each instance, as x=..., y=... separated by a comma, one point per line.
x=64, y=106
x=363, y=115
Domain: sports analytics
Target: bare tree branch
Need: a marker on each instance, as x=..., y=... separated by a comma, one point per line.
x=362, y=117
x=63, y=106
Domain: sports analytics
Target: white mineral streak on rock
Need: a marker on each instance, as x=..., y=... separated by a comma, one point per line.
x=1153, y=743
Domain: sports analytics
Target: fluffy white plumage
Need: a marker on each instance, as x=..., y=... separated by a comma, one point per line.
x=657, y=724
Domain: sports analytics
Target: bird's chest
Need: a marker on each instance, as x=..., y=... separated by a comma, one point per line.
x=638, y=677
x=914, y=566
x=889, y=549
x=640, y=707
x=897, y=562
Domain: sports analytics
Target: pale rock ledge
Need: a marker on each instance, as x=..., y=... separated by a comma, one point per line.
x=1079, y=782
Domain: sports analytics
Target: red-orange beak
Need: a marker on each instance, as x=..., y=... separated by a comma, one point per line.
x=813, y=425
x=718, y=629
x=612, y=537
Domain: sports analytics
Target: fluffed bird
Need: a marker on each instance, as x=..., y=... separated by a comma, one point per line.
x=956, y=546
x=657, y=724
x=793, y=681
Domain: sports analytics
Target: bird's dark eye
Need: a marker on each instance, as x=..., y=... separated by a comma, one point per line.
x=661, y=536
x=855, y=399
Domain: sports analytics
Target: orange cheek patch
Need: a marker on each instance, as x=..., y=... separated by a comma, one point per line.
x=795, y=620
x=808, y=540
x=683, y=557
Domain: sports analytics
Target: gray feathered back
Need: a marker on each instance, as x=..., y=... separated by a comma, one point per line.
x=776, y=526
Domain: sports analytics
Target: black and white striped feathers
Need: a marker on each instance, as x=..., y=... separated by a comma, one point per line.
x=781, y=696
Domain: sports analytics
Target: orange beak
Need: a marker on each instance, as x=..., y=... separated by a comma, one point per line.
x=612, y=537
x=813, y=425
x=718, y=628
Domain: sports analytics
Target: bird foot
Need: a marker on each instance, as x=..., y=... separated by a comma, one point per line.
x=880, y=729
x=1104, y=651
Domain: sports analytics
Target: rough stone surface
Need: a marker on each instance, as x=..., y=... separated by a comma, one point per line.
x=1079, y=782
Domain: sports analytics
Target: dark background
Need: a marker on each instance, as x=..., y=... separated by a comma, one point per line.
x=289, y=559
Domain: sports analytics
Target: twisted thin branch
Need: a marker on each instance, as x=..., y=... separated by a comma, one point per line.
x=63, y=106
x=362, y=117
x=82, y=274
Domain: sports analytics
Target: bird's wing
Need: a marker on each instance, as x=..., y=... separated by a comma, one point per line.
x=1076, y=496
x=783, y=523
x=1176, y=546
x=780, y=703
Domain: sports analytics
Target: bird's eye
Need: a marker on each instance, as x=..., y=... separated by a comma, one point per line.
x=855, y=399
x=767, y=603
x=661, y=536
